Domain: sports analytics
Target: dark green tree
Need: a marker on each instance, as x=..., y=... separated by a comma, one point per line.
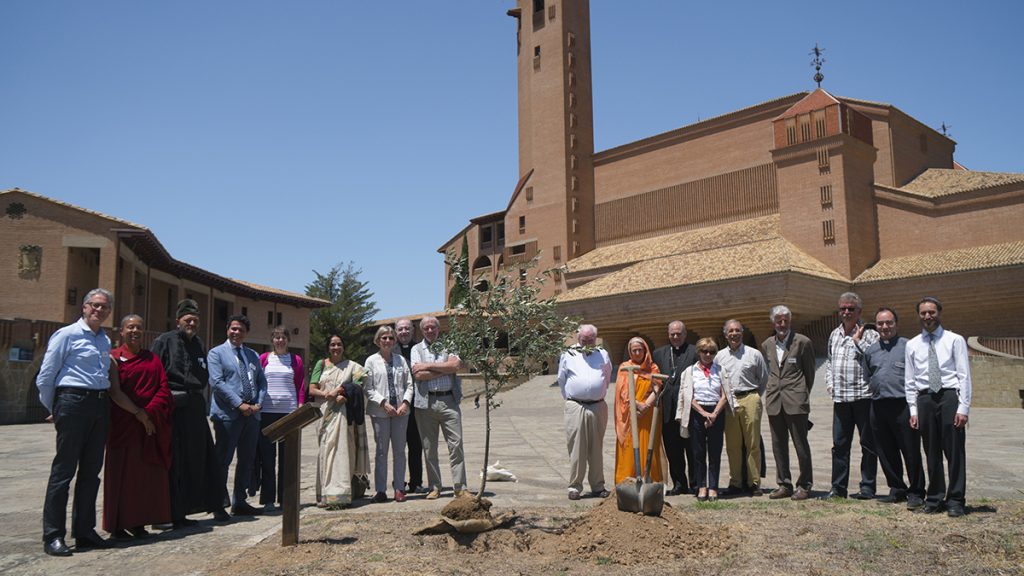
x=509, y=310
x=461, y=287
x=352, y=307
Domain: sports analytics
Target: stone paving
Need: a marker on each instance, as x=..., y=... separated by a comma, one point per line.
x=528, y=438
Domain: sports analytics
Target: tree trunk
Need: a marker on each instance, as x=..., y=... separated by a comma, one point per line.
x=487, y=438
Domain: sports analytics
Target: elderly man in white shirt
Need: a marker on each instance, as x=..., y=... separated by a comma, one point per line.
x=584, y=372
x=747, y=372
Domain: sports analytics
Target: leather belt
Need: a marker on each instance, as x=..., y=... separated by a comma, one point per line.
x=585, y=402
x=445, y=393
x=743, y=393
x=82, y=392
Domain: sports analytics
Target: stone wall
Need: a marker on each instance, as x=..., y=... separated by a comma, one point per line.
x=997, y=382
x=19, y=399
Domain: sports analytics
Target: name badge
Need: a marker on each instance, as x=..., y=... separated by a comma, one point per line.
x=791, y=361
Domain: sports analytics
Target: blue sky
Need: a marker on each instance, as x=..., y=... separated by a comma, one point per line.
x=263, y=140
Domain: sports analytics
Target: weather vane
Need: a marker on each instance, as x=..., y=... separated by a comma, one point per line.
x=945, y=130
x=817, y=62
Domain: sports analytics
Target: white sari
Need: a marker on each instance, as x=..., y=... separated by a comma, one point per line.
x=343, y=461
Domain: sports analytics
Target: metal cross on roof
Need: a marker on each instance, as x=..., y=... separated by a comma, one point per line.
x=817, y=61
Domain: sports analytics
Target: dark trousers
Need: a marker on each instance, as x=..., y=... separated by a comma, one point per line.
x=271, y=479
x=241, y=435
x=82, y=422
x=707, y=448
x=935, y=414
x=845, y=417
x=896, y=442
x=783, y=426
x=679, y=451
x=415, y=447
x=194, y=478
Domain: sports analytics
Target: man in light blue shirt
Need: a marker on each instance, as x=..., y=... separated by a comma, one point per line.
x=73, y=384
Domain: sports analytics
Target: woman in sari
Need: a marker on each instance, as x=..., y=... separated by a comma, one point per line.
x=343, y=460
x=639, y=357
x=135, y=481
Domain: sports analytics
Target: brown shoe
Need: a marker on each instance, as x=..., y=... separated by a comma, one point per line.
x=434, y=494
x=463, y=493
x=801, y=494
x=780, y=493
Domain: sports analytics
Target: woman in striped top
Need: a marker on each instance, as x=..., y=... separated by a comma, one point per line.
x=286, y=391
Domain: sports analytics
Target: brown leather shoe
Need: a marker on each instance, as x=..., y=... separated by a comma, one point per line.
x=801, y=494
x=780, y=493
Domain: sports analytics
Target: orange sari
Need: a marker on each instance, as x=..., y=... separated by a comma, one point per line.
x=624, y=465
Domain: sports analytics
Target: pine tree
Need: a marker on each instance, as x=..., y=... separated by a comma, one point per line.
x=352, y=307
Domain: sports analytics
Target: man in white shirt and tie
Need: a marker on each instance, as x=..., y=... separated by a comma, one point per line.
x=938, y=385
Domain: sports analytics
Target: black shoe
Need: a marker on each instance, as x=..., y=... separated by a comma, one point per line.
x=730, y=491
x=182, y=523
x=221, y=515
x=244, y=509
x=931, y=509
x=894, y=497
x=600, y=494
x=862, y=496
x=914, y=502
x=955, y=510
x=754, y=491
x=56, y=547
x=833, y=495
x=121, y=534
x=93, y=540
x=379, y=498
x=139, y=532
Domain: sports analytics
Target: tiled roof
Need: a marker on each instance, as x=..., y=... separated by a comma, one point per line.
x=279, y=292
x=960, y=260
x=729, y=234
x=73, y=207
x=700, y=266
x=937, y=182
x=814, y=101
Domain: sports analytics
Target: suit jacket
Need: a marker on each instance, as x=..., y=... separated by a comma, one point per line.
x=226, y=382
x=663, y=358
x=789, y=383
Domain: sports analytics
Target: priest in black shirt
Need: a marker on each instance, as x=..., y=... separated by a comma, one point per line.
x=195, y=480
x=672, y=359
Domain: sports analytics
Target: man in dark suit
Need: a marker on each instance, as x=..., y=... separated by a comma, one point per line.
x=790, y=358
x=239, y=388
x=672, y=359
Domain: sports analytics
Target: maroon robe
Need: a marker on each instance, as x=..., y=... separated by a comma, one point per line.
x=135, y=485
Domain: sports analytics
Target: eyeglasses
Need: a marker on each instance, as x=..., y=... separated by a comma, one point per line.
x=95, y=306
x=387, y=338
x=848, y=308
x=707, y=351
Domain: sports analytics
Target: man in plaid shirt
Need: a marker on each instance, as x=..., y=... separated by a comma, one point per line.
x=847, y=383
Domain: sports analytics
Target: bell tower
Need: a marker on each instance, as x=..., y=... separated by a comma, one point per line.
x=552, y=210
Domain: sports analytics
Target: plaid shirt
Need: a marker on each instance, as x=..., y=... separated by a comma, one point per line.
x=845, y=376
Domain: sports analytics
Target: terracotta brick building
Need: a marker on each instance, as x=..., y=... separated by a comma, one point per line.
x=54, y=253
x=792, y=201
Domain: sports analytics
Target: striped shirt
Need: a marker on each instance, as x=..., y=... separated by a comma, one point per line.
x=280, y=385
x=421, y=354
x=845, y=377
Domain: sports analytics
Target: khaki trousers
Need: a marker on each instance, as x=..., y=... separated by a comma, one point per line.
x=442, y=415
x=584, y=430
x=743, y=436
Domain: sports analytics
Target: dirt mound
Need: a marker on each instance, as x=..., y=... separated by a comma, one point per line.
x=467, y=508
x=606, y=534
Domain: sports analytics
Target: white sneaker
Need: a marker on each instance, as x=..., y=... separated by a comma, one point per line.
x=574, y=494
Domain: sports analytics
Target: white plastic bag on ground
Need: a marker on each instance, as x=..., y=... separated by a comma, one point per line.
x=498, y=473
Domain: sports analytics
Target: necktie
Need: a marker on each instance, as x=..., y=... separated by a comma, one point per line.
x=243, y=372
x=934, y=376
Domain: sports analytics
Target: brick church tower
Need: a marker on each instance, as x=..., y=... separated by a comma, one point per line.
x=552, y=208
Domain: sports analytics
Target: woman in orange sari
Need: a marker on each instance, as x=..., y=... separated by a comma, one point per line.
x=640, y=356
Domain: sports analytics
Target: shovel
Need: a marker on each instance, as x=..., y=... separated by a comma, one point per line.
x=652, y=494
x=627, y=492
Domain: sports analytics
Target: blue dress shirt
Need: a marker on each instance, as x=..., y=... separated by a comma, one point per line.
x=76, y=357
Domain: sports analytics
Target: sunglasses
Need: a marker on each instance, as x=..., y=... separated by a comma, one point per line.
x=387, y=337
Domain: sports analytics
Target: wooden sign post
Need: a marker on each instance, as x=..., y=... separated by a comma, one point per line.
x=289, y=430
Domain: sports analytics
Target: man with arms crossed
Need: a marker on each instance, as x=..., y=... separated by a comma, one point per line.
x=437, y=398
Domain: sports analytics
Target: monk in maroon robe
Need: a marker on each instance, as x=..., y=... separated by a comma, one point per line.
x=135, y=484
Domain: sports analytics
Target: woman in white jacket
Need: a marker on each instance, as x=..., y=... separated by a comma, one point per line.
x=389, y=393
x=703, y=395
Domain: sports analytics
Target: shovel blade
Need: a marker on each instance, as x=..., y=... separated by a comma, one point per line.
x=627, y=495
x=652, y=498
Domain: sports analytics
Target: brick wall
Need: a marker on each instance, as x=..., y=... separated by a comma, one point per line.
x=996, y=382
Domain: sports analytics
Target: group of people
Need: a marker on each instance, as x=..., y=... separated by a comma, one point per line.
x=147, y=410
x=896, y=392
